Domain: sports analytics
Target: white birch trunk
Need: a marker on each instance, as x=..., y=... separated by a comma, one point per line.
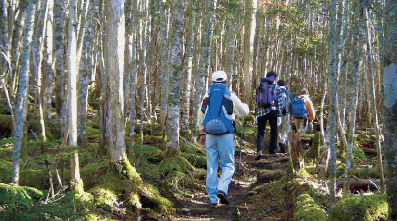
x=115, y=31
x=331, y=126
x=48, y=61
x=22, y=96
x=175, y=77
x=72, y=96
x=142, y=40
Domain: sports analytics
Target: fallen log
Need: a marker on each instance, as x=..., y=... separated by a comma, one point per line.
x=359, y=184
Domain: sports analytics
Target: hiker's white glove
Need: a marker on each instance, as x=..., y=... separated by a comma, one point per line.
x=279, y=121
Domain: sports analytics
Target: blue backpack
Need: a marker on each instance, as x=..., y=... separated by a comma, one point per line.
x=218, y=110
x=298, y=108
x=266, y=94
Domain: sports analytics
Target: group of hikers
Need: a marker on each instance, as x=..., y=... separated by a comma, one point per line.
x=216, y=125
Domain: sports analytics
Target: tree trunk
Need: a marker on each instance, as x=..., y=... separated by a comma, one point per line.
x=39, y=76
x=59, y=52
x=175, y=78
x=249, y=36
x=390, y=106
x=76, y=181
x=85, y=69
x=187, y=69
x=48, y=62
x=331, y=124
x=22, y=97
x=354, y=80
x=115, y=29
x=142, y=40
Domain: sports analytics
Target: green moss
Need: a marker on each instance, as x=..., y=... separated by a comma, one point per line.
x=363, y=208
x=34, y=177
x=198, y=160
x=12, y=194
x=305, y=208
x=116, y=188
x=129, y=171
x=91, y=173
x=174, y=165
x=366, y=172
x=92, y=133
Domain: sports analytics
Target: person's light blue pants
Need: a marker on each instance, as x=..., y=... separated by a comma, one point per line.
x=219, y=147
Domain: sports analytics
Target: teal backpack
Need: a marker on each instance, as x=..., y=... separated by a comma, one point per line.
x=218, y=110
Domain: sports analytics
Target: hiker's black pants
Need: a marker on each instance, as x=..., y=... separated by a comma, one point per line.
x=272, y=118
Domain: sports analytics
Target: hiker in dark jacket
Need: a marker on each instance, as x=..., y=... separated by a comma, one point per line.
x=268, y=113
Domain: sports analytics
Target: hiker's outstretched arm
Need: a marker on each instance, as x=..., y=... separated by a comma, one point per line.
x=241, y=109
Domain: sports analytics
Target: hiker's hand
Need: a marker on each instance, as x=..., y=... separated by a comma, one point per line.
x=202, y=140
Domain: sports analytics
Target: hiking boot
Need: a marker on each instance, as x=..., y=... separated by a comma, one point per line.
x=222, y=197
x=259, y=155
x=214, y=205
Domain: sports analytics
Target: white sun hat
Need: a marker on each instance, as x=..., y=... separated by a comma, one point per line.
x=219, y=76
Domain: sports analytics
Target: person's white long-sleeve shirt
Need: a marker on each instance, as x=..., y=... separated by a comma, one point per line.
x=239, y=108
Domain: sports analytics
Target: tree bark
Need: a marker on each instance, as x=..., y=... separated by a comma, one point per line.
x=175, y=78
x=48, y=62
x=331, y=125
x=21, y=105
x=76, y=181
x=115, y=30
x=249, y=36
x=59, y=52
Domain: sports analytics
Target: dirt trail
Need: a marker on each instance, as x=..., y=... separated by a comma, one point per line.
x=198, y=207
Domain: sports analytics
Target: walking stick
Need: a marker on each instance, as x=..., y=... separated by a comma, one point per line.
x=241, y=145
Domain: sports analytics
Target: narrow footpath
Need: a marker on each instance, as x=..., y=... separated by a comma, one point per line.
x=198, y=207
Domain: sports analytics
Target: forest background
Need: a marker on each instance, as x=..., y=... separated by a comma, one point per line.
x=130, y=64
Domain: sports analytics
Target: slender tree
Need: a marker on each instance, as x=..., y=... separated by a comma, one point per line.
x=331, y=126
x=372, y=96
x=354, y=79
x=22, y=97
x=175, y=77
x=76, y=181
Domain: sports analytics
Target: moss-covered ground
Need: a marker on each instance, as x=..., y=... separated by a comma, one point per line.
x=156, y=183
